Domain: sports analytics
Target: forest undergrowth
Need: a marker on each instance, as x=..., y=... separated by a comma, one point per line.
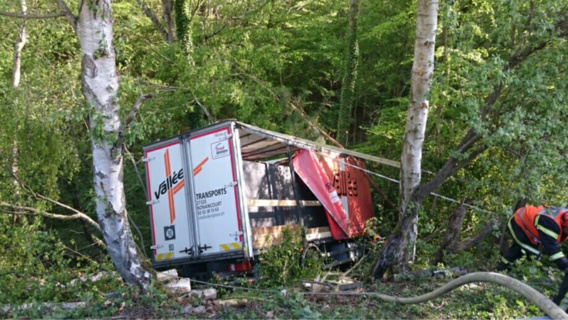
x=78, y=288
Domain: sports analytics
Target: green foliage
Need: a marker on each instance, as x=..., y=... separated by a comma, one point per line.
x=36, y=265
x=297, y=306
x=255, y=61
x=123, y=300
x=349, y=80
x=183, y=27
x=472, y=67
x=280, y=264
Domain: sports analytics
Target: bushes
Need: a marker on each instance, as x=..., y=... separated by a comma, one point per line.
x=280, y=265
x=37, y=267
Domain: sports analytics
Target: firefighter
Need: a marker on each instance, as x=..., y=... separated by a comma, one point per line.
x=537, y=230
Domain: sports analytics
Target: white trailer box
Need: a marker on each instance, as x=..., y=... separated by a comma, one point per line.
x=213, y=203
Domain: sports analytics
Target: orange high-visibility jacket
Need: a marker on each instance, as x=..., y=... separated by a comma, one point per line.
x=525, y=217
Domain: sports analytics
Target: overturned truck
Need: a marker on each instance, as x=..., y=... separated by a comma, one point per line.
x=220, y=195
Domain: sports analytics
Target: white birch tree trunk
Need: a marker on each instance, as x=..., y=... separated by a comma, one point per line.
x=417, y=114
x=100, y=84
x=16, y=76
x=400, y=247
x=19, y=47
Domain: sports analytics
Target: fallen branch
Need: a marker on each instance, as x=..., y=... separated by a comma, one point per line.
x=474, y=240
x=344, y=274
x=66, y=306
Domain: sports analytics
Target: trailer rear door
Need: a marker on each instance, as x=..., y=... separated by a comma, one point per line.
x=217, y=213
x=171, y=238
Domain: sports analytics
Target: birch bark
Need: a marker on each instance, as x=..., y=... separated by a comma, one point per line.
x=99, y=77
x=400, y=247
x=16, y=76
x=19, y=47
x=417, y=115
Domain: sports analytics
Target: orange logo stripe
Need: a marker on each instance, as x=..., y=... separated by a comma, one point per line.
x=179, y=186
x=172, y=206
x=199, y=167
x=173, y=190
x=167, y=163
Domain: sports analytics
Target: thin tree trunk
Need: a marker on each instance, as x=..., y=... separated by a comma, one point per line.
x=167, y=36
x=451, y=236
x=19, y=47
x=183, y=25
x=16, y=76
x=167, y=6
x=349, y=78
x=400, y=248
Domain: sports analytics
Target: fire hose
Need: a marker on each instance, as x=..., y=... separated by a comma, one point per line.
x=534, y=296
x=540, y=300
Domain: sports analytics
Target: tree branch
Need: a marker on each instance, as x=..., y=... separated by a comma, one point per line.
x=68, y=14
x=78, y=214
x=475, y=239
x=30, y=210
x=197, y=6
x=156, y=51
x=313, y=125
x=32, y=16
x=131, y=116
x=453, y=165
x=467, y=142
x=204, y=108
x=295, y=107
x=135, y=109
x=258, y=4
x=154, y=20
x=450, y=168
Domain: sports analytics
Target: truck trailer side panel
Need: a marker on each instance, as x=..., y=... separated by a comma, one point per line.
x=167, y=201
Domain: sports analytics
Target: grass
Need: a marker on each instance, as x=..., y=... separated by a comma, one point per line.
x=471, y=301
x=280, y=270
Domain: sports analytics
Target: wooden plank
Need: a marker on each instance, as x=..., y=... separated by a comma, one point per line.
x=271, y=236
x=318, y=233
x=281, y=203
